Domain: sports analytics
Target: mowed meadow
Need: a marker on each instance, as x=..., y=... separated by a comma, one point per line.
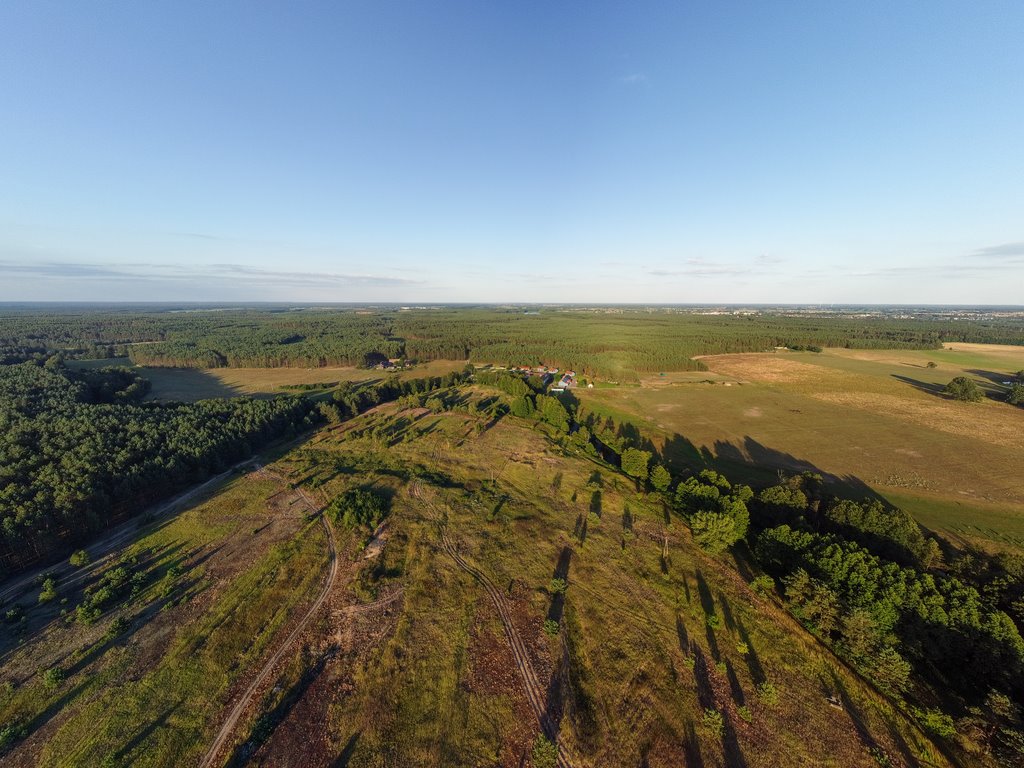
x=872, y=420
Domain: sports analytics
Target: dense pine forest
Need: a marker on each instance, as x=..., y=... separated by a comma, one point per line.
x=608, y=342
x=78, y=452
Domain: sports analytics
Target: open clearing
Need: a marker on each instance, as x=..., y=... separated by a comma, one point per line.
x=190, y=384
x=410, y=662
x=871, y=419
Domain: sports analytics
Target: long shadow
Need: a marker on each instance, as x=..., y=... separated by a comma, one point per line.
x=346, y=754
x=268, y=722
x=734, y=685
x=43, y=717
x=561, y=572
x=683, y=635
x=731, y=747
x=580, y=529
x=144, y=734
x=706, y=698
x=70, y=584
x=726, y=612
x=704, y=591
x=901, y=743
x=553, y=709
x=702, y=679
x=753, y=457
x=922, y=386
x=691, y=747
x=995, y=385
x=137, y=622
x=757, y=672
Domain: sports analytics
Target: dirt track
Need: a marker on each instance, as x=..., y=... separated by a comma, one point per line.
x=228, y=727
x=534, y=690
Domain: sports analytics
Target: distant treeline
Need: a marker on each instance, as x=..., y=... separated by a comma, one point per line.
x=611, y=344
x=78, y=452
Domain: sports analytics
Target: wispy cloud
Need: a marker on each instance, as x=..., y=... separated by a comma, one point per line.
x=236, y=273
x=635, y=78
x=1006, y=250
x=696, y=267
x=943, y=270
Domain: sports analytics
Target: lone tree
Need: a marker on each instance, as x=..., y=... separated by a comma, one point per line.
x=661, y=478
x=634, y=463
x=964, y=389
x=1016, y=396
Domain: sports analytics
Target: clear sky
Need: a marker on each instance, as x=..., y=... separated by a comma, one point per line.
x=512, y=151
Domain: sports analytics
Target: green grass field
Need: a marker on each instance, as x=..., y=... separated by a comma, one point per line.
x=870, y=419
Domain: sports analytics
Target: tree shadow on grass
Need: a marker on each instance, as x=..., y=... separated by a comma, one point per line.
x=757, y=672
x=726, y=612
x=691, y=747
x=707, y=602
x=561, y=571
x=139, y=738
x=929, y=387
x=346, y=754
x=996, y=386
x=683, y=635
x=267, y=723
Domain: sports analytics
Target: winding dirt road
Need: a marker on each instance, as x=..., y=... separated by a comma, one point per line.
x=224, y=734
x=535, y=692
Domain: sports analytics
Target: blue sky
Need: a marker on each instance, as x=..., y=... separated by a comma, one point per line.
x=533, y=151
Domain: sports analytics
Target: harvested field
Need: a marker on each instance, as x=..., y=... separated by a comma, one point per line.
x=871, y=419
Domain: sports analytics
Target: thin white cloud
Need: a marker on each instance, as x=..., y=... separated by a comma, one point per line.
x=156, y=273
x=1005, y=250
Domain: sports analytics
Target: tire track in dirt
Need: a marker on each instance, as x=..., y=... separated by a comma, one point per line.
x=242, y=704
x=535, y=692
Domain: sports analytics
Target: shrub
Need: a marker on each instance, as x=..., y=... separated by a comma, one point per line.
x=713, y=722
x=550, y=627
x=49, y=590
x=544, y=753
x=744, y=713
x=742, y=648
x=53, y=678
x=768, y=693
x=936, y=722
x=558, y=586
x=10, y=733
x=763, y=585
x=358, y=508
x=80, y=558
x=713, y=621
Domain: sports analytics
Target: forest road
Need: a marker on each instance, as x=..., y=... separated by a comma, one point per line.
x=101, y=549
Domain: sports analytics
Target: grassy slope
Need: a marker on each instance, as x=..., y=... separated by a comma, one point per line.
x=868, y=418
x=644, y=663
x=631, y=673
x=147, y=697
